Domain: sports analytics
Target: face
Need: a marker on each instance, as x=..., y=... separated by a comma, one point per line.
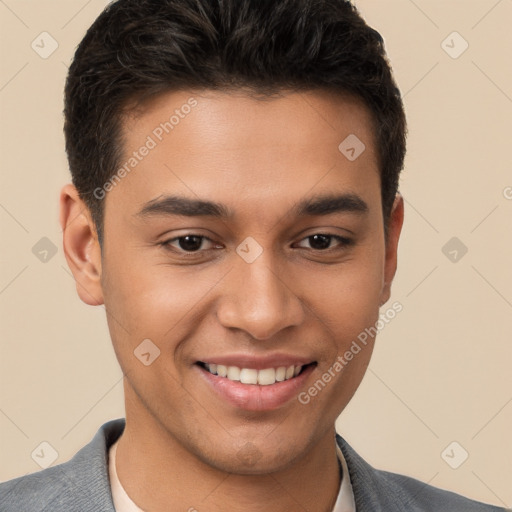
x=244, y=254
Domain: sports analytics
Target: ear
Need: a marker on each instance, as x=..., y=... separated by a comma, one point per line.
x=81, y=246
x=396, y=220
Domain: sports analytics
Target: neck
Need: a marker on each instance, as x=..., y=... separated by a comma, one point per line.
x=159, y=474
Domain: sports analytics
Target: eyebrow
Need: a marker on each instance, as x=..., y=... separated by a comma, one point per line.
x=178, y=205
x=315, y=206
x=329, y=204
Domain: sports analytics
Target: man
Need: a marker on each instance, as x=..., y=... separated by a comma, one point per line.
x=235, y=206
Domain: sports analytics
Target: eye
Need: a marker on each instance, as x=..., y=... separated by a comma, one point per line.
x=323, y=242
x=189, y=243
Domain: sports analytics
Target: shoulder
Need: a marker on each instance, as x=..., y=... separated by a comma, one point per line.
x=80, y=484
x=35, y=491
x=379, y=490
x=417, y=495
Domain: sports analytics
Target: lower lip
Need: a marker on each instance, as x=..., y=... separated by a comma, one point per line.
x=253, y=397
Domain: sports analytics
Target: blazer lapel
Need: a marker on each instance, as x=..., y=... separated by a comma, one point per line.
x=85, y=480
x=371, y=493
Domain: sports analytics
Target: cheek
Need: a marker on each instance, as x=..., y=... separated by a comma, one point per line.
x=151, y=300
x=346, y=297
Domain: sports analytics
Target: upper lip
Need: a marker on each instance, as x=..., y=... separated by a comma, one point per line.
x=258, y=362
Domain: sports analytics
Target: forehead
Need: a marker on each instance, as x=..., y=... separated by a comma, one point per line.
x=235, y=147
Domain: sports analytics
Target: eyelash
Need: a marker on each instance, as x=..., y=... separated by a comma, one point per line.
x=342, y=242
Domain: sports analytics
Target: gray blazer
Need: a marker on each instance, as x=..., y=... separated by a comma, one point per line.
x=82, y=485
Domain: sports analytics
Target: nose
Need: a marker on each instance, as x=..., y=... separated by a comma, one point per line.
x=257, y=300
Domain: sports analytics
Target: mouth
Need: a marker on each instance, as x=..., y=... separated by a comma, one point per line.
x=255, y=377
x=260, y=389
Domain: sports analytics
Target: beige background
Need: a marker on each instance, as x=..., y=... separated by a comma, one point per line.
x=441, y=369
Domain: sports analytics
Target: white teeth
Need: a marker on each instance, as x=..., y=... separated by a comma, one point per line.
x=233, y=373
x=267, y=376
x=280, y=374
x=248, y=376
x=264, y=377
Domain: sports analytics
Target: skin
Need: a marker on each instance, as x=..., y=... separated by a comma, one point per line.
x=184, y=447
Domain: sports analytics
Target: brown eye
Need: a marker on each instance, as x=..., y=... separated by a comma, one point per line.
x=323, y=242
x=319, y=241
x=188, y=243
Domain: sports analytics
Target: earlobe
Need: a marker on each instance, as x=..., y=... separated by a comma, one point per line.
x=396, y=220
x=81, y=246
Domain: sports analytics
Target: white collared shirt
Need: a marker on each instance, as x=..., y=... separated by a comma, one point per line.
x=123, y=503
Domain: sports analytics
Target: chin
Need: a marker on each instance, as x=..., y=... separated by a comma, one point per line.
x=260, y=468
x=249, y=460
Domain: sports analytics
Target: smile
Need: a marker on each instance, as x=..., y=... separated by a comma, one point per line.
x=263, y=377
x=256, y=383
